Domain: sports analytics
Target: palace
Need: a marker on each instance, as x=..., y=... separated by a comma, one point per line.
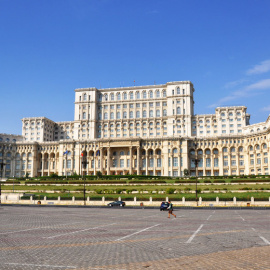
x=146, y=130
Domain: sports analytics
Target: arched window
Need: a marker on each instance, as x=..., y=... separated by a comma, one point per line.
x=131, y=114
x=240, y=149
x=118, y=115
x=183, y=91
x=118, y=96
x=138, y=96
x=131, y=95
x=157, y=113
x=112, y=96
x=157, y=94
x=105, y=116
x=151, y=94
x=105, y=97
x=151, y=113
x=138, y=114
x=178, y=111
x=84, y=115
x=200, y=152
x=144, y=114
x=144, y=94
x=257, y=147
x=84, y=97
x=124, y=114
x=112, y=116
x=225, y=150
x=125, y=96
x=164, y=93
x=207, y=152
x=232, y=149
x=122, y=153
x=251, y=148
x=178, y=90
x=264, y=146
x=174, y=150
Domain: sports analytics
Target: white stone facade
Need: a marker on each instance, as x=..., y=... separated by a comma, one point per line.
x=147, y=130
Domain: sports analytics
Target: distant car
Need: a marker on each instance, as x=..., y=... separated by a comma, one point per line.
x=164, y=206
x=117, y=203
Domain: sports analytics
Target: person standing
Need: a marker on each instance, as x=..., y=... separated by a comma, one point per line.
x=170, y=208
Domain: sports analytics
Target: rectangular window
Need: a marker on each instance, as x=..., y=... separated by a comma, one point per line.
x=144, y=163
x=151, y=162
x=159, y=162
x=121, y=163
x=175, y=161
x=208, y=162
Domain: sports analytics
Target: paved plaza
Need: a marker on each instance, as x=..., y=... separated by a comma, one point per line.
x=37, y=238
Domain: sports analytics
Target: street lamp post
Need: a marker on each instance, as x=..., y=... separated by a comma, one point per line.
x=84, y=164
x=196, y=162
x=2, y=164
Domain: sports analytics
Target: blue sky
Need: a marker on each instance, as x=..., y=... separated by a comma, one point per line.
x=50, y=47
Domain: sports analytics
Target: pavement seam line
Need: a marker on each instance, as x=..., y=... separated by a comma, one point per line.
x=137, y=232
x=194, y=234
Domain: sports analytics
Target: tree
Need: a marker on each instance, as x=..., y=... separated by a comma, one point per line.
x=99, y=174
x=186, y=172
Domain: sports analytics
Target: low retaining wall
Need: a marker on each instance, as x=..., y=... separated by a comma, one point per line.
x=15, y=199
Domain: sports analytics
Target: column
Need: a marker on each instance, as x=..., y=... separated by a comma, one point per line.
x=108, y=160
x=138, y=160
x=212, y=163
x=101, y=160
x=42, y=168
x=130, y=159
x=146, y=162
x=95, y=158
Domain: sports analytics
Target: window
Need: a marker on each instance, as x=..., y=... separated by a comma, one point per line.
x=178, y=91
x=125, y=96
x=159, y=162
x=138, y=114
x=175, y=161
x=157, y=94
x=164, y=93
x=208, y=162
x=178, y=111
x=124, y=114
x=215, y=162
x=118, y=96
x=131, y=95
x=144, y=94
x=112, y=96
x=131, y=114
x=164, y=112
x=157, y=113
x=138, y=96
x=121, y=163
x=144, y=114
x=150, y=94
x=151, y=114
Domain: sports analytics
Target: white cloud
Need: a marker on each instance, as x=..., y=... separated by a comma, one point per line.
x=248, y=91
x=260, y=68
x=263, y=84
x=266, y=109
x=234, y=83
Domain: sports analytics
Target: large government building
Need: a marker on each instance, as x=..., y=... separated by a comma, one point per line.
x=146, y=130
